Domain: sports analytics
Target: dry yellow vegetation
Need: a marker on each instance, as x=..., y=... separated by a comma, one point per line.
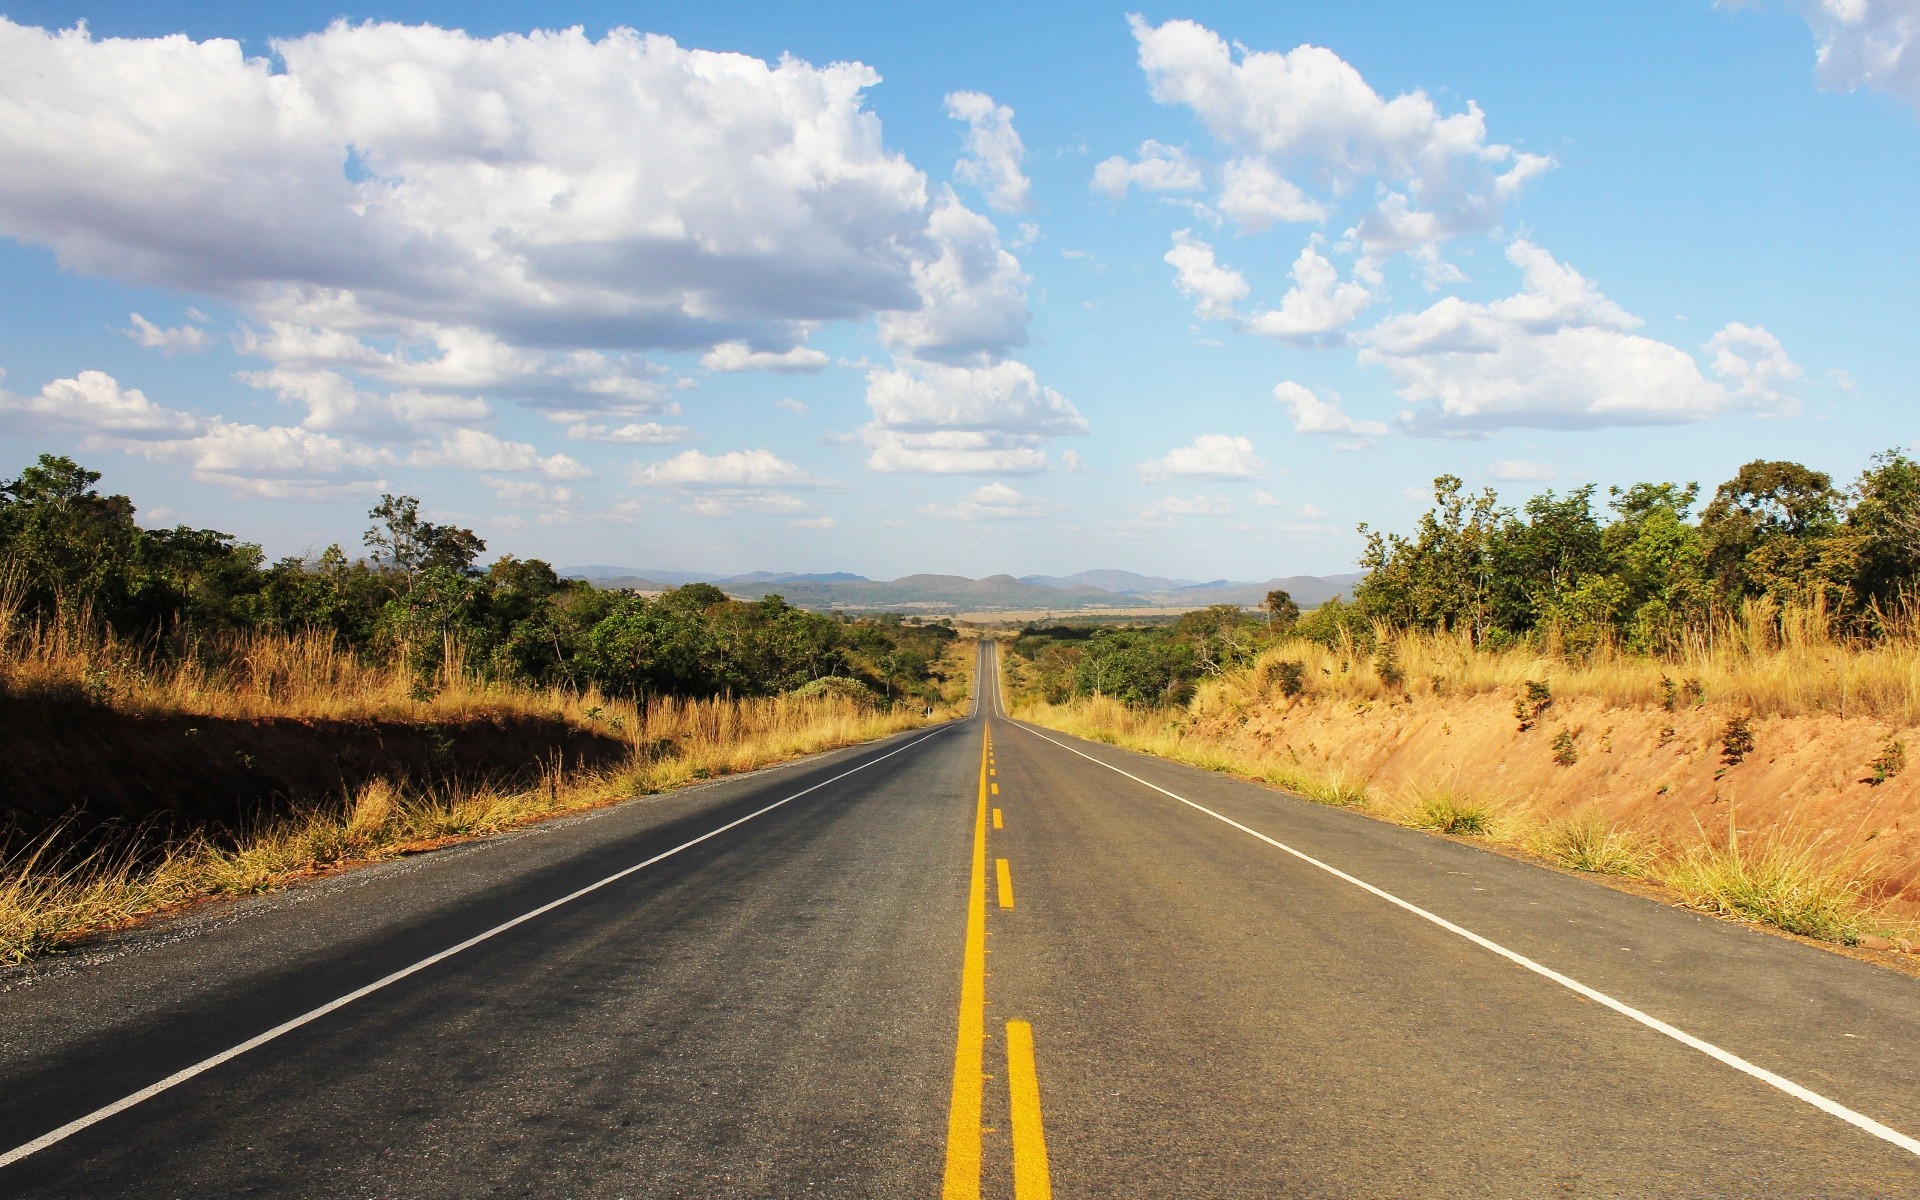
x=48, y=897
x=1758, y=774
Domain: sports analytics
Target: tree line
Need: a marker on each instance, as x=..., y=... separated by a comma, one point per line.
x=1642, y=572
x=415, y=592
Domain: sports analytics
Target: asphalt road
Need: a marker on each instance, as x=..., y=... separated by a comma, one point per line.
x=924, y=966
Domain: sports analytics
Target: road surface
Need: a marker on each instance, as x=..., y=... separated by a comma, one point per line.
x=977, y=960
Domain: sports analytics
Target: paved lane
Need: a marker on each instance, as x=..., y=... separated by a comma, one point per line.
x=976, y=961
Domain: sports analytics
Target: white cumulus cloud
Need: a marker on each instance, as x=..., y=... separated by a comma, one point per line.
x=993, y=502
x=734, y=469
x=1157, y=168
x=635, y=433
x=478, y=450
x=1308, y=115
x=1213, y=287
x=1560, y=355
x=738, y=356
x=93, y=403
x=1317, y=414
x=1209, y=456
x=993, y=153
x=188, y=338
x=1866, y=43
x=1318, y=308
x=943, y=420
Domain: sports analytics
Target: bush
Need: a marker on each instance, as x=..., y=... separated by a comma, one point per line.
x=1736, y=740
x=1291, y=675
x=1563, y=748
x=1528, y=709
x=1891, y=760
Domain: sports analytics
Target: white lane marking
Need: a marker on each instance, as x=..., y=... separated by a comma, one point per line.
x=1830, y=1107
x=207, y=1064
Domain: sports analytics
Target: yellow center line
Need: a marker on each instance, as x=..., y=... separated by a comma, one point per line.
x=1031, y=1178
x=996, y=789
x=1005, y=879
x=963, y=1111
x=996, y=819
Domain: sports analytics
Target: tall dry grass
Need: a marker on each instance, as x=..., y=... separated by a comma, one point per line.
x=1775, y=663
x=250, y=675
x=1768, y=661
x=47, y=900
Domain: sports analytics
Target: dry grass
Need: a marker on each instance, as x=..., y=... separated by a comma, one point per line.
x=1786, y=883
x=46, y=901
x=1770, y=663
x=1787, y=880
x=304, y=676
x=1587, y=841
x=1444, y=810
x=43, y=906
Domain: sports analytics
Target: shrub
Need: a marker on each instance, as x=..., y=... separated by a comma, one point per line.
x=1387, y=665
x=1891, y=760
x=1291, y=675
x=1529, y=707
x=1736, y=740
x=1563, y=749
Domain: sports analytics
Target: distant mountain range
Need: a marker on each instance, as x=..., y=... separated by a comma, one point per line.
x=1088, y=590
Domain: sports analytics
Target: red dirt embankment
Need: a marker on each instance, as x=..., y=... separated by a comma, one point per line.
x=85, y=768
x=1647, y=770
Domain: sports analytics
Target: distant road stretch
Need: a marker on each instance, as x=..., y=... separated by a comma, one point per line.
x=980, y=960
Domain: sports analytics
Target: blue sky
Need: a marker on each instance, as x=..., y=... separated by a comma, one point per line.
x=1038, y=288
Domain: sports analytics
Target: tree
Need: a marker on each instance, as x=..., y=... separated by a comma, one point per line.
x=1764, y=529
x=402, y=540
x=1281, y=611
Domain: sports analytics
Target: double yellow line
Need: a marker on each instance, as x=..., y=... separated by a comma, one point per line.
x=1031, y=1179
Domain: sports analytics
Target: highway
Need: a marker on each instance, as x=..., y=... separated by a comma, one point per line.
x=978, y=960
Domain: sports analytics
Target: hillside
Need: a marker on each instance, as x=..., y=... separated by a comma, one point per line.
x=1088, y=590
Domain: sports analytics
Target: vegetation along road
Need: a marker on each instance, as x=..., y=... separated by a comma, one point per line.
x=983, y=959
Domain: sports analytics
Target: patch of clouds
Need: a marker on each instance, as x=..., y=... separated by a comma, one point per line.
x=1312, y=413
x=1256, y=197
x=993, y=502
x=335, y=405
x=274, y=462
x=93, y=405
x=931, y=418
x=411, y=173
x=1863, y=43
x=993, y=151
x=1560, y=355
x=1307, y=115
x=189, y=339
x=1209, y=456
x=1157, y=168
x=733, y=469
x=796, y=407
x=1214, y=288
x=972, y=294
x=730, y=357
x=634, y=433
x=478, y=450
x=1318, y=308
